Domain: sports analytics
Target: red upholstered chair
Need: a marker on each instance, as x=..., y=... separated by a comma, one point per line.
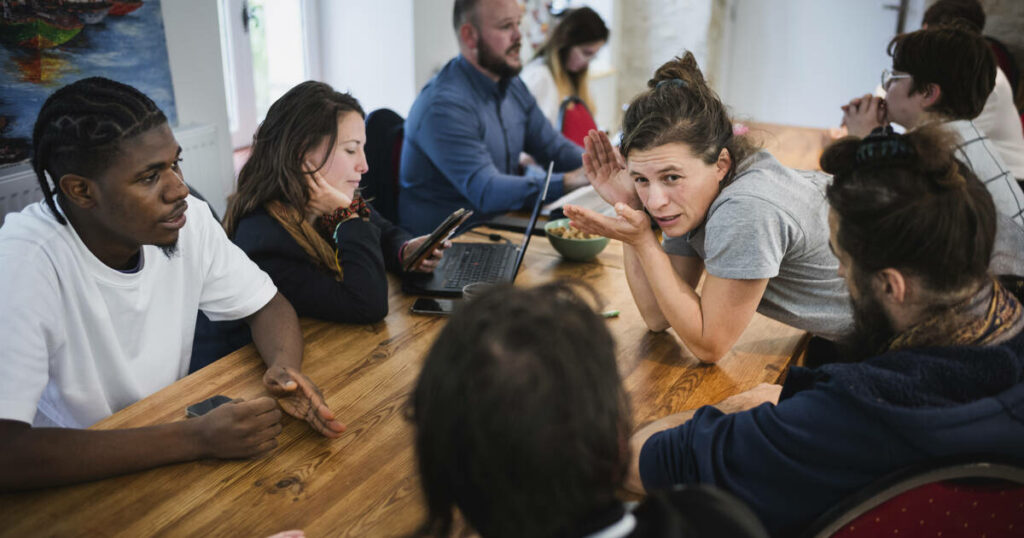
x=575, y=120
x=979, y=498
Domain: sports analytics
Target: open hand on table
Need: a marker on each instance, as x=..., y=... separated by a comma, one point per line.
x=606, y=170
x=631, y=226
x=324, y=198
x=430, y=262
x=300, y=398
x=864, y=114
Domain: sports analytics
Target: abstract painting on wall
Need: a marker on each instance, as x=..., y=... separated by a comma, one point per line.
x=46, y=44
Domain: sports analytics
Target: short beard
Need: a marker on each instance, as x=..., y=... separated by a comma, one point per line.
x=495, y=63
x=872, y=330
x=169, y=250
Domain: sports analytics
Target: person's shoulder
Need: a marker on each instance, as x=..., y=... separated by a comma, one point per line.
x=259, y=229
x=535, y=72
x=33, y=229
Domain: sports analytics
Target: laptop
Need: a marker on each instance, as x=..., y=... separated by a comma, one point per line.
x=465, y=263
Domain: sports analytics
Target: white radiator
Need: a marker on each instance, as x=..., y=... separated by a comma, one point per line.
x=201, y=168
x=18, y=188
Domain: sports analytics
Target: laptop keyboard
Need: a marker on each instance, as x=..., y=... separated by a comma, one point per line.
x=479, y=263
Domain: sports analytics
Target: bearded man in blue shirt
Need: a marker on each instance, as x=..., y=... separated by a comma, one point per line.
x=471, y=122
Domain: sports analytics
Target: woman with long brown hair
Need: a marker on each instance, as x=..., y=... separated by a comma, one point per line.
x=559, y=68
x=298, y=214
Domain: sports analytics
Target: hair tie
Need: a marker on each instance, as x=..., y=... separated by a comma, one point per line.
x=883, y=146
x=677, y=82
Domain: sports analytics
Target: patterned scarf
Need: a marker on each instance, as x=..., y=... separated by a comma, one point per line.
x=991, y=316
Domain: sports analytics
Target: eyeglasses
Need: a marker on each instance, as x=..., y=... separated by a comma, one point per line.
x=889, y=75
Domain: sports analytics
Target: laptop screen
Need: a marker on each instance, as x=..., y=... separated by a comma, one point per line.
x=533, y=220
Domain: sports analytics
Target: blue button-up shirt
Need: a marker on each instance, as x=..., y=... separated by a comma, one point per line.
x=462, y=143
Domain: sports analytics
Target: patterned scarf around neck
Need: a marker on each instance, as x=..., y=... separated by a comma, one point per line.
x=991, y=316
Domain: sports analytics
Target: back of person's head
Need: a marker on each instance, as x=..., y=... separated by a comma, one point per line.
x=679, y=107
x=464, y=11
x=957, y=60
x=968, y=13
x=81, y=127
x=905, y=202
x=295, y=124
x=521, y=419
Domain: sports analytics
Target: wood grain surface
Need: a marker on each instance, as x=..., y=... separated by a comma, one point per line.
x=364, y=483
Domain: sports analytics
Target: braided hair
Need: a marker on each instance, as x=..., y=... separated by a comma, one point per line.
x=904, y=201
x=81, y=126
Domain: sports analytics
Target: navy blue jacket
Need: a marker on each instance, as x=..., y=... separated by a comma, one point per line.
x=841, y=426
x=367, y=249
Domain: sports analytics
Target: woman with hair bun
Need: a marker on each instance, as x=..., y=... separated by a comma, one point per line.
x=760, y=229
x=559, y=69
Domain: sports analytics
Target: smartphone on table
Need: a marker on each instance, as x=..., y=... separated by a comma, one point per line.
x=437, y=307
x=201, y=408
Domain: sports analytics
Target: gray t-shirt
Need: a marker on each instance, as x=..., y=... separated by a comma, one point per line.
x=772, y=222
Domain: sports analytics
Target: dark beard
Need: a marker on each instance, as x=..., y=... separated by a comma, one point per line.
x=871, y=328
x=495, y=63
x=169, y=250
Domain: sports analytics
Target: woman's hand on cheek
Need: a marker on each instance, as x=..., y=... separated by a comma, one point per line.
x=631, y=226
x=324, y=198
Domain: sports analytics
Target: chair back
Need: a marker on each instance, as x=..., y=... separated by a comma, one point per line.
x=1006, y=62
x=575, y=120
x=978, y=497
x=384, y=132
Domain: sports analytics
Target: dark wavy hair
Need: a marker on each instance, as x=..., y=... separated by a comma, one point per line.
x=904, y=201
x=521, y=419
x=959, y=61
x=951, y=12
x=679, y=106
x=295, y=124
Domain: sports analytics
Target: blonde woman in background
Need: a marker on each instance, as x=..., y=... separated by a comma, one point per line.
x=559, y=69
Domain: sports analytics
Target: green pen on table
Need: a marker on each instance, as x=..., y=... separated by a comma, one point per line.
x=610, y=314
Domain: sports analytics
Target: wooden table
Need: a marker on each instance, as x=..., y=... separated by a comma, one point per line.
x=363, y=483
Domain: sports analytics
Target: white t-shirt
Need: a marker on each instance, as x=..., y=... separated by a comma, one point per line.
x=541, y=83
x=1000, y=122
x=82, y=340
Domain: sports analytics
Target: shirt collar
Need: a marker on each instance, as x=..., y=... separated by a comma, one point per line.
x=482, y=82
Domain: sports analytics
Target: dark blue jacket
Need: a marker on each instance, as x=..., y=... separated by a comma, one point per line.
x=367, y=249
x=841, y=426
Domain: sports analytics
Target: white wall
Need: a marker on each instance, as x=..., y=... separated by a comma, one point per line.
x=796, y=61
x=193, y=45
x=651, y=32
x=367, y=50
x=434, y=38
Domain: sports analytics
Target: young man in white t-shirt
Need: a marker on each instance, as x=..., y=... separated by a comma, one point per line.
x=102, y=282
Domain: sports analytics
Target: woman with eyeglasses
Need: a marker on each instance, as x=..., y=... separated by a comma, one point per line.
x=559, y=69
x=944, y=75
x=724, y=205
